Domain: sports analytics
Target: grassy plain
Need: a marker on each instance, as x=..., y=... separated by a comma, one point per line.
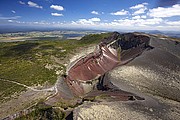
x=25, y=62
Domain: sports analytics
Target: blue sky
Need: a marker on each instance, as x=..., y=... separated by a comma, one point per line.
x=96, y=14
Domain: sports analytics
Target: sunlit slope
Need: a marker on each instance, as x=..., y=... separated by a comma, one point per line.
x=156, y=72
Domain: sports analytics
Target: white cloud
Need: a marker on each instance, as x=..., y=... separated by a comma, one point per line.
x=92, y=21
x=10, y=18
x=13, y=11
x=139, y=6
x=121, y=12
x=153, y=21
x=33, y=23
x=56, y=14
x=138, y=21
x=120, y=24
x=32, y=4
x=173, y=23
x=57, y=7
x=95, y=19
x=136, y=17
x=139, y=9
x=21, y=2
x=10, y=21
x=144, y=16
x=95, y=12
x=165, y=12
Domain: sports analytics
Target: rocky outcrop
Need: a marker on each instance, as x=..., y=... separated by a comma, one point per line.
x=115, y=50
x=154, y=75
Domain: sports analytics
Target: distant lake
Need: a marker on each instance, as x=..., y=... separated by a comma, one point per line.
x=64, y=37
x=33, y=38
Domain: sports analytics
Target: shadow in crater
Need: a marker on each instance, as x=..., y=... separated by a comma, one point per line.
x=70, y=116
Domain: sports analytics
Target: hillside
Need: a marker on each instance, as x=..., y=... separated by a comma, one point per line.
x=73, y=78
x=30, y=65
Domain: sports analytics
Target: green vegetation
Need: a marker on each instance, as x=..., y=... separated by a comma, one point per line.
x=44, y=112
x=7, y=89
x=97, y=97
x=67, y=103
x=36, y=62
x=94, y=38
x=119, y=53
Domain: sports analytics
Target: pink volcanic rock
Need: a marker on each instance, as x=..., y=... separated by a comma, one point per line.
x=93, y=65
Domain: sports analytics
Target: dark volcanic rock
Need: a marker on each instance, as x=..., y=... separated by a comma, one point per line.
x=131, y=40
x=127, y=41
x=115, y=36
x=155, y=71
